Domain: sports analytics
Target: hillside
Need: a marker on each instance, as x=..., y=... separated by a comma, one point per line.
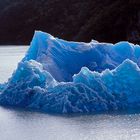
x=78, y=20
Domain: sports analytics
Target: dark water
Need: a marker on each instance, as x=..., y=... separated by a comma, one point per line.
x=27, y=125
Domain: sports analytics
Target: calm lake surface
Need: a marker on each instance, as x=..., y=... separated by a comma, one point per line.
x=19, y=124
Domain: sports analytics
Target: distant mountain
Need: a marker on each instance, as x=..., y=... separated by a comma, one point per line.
x=78, y=20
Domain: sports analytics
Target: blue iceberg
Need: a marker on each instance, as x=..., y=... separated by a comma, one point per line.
x=58, y=76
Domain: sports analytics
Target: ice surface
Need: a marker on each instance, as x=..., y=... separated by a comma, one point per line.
x=63, y=59
x=58, y=76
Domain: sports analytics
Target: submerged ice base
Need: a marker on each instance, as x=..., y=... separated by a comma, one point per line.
x=58, y=76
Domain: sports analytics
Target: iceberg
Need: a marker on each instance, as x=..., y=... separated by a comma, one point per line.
x=58, y=76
